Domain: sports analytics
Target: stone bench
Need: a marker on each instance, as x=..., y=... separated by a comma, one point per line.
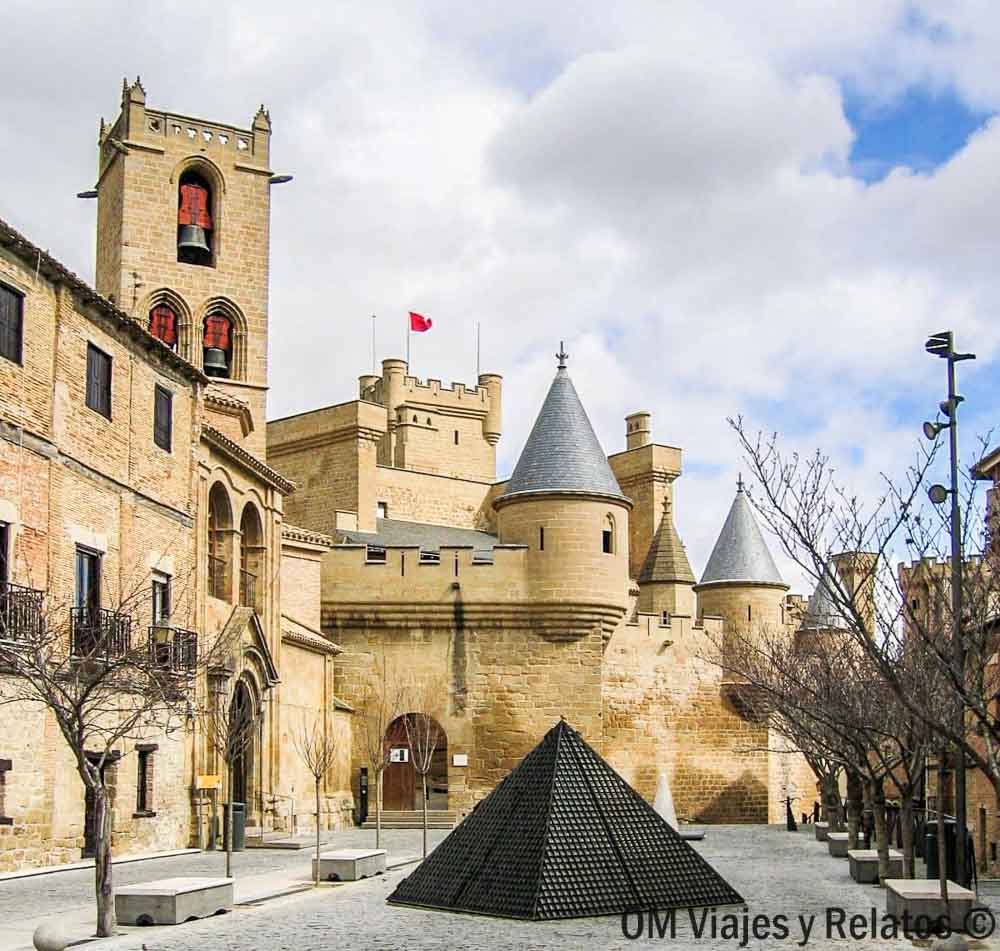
x=922, y=897
x=170, y=901
x=864, y=865
x=821, y=829
x=837, y=844
x=349, y=865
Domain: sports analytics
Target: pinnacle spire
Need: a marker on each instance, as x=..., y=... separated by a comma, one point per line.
x=667, y=560
x=741, y=555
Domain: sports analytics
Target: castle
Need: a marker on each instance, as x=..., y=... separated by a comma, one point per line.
x=134, y=445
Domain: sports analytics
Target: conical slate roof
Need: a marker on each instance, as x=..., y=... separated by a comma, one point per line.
x=741, y=554
x=563, y=836
x=666, y=560
x=562, y=453
x=822, y=613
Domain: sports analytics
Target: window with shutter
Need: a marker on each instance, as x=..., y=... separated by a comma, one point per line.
x=11, y=319
x=163, y=413
x=98, y=381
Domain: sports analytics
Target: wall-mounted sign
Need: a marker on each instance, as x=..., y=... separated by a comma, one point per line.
x=460, y=759
x=208, y=781
x=399, y=754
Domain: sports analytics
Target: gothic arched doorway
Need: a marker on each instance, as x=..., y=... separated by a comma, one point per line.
x=241, y=730
x=401, y=785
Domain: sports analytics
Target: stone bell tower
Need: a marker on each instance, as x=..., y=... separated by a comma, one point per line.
x=183, y=239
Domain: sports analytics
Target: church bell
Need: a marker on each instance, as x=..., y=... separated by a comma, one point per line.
x=215, y=362
x=192, y=238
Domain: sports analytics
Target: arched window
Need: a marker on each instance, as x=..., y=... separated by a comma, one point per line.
x=220, y=525
x=217, y=346
x=251, y=557
x=608, y=535
x=163, y=324
x=195, y=224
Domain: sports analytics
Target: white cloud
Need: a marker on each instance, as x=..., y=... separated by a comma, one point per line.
x=662, y=186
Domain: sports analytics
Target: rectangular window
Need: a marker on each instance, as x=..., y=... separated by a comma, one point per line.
x=607, y=542
x=541, y=538
x=456, y=437
x=98, y=381
x=382, y=510
x=11, y=324
x=161, y=598
x=144, y=780
x=163, y=418
x=5, y=820
x=88, y=579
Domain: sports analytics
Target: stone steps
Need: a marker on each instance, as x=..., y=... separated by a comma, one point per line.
x=409, y=819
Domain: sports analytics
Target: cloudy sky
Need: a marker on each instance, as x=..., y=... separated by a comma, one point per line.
x=723, y=207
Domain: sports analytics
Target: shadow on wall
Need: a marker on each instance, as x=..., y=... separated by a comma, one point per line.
x=744, y=799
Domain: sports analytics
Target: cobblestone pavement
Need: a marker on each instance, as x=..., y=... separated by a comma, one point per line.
x=776, y=872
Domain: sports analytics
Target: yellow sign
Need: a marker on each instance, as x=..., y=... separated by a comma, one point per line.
x=209, y=781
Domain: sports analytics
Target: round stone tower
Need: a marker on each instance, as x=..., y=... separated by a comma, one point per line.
x=741, y=583
x=564, y=503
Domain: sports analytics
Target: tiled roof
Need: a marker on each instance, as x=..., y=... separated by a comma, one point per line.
x=562, y=453
x=236, y=452
x=296, y=533
x=393, y=533
x=563, y=836
x=741, y=554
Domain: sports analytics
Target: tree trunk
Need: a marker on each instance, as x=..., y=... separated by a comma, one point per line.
x=317, y=830
x=106, y=922
x=906, y=828
x=941, y=841
x=881, y=828
x=378, y=809
x=831, y=800
x=424, y=778
x=854, y=807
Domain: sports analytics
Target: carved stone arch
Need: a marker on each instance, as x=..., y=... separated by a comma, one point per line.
x=223, y=305
x=204, y=166
x=164, y=295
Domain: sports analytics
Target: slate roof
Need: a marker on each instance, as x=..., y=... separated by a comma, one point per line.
x=740, y=553
x=562, y=453
x=666, y=560
x=822, y=613
x=563, y=836
x=391, y=533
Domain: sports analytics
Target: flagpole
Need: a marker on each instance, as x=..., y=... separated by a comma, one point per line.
x=373, y=344
x=478, y=370
x=408, y=322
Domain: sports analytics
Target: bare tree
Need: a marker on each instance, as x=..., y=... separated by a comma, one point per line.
x=383, y=701
x=105, y=680
x=423, y=737
x=317, y=748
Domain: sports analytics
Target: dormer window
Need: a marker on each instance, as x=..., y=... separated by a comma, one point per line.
x=163, y=324
x=195, y=226
x=217, y=345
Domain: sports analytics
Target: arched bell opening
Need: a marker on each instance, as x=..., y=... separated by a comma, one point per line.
x=195, y=220
x=402, y=786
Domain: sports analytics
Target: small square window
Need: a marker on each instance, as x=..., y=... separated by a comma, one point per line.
x=382, y=510
x=98, y=381
x=163, y=418
x=11, y=324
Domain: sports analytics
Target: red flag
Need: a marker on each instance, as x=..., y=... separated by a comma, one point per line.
x=419, y=322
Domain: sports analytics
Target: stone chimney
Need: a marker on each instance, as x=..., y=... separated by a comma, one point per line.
x=638, y=429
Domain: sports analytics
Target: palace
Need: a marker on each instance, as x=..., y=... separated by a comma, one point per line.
x=135, y=454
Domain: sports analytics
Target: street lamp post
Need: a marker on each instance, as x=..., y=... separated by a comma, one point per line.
x=943, y=345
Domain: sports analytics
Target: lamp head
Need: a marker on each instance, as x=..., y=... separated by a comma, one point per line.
x=938, y=494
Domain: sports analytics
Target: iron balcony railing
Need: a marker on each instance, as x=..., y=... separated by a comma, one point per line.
x=21, y=612
x=98, y=632
x=173, y=648
x=248, y=589
x=217, y=578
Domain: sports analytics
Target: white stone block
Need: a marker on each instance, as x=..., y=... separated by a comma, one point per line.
x=922, y=896
x=821, y=829
x=864, y=865
x=349, y=865
x=170, y=901
x=837, y=844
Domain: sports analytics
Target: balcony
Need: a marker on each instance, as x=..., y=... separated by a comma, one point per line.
x=98, y=633
x=173, y=648
x=21, y=612
x=248, y=589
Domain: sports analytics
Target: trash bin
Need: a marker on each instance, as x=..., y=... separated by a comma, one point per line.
x=239, y=826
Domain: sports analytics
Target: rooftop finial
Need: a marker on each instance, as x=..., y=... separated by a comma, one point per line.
x=739, y=482
x=562, y=356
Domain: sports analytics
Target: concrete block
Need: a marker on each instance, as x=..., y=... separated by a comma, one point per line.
x=837, y=844
x=349, y=865
x=922, y=897
x=864, y=865
x=821, y=829
x=170, y=901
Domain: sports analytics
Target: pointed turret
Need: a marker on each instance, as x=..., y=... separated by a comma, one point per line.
x=666, y=579
x=564, y=504
x=741, y=582
x=562, y=453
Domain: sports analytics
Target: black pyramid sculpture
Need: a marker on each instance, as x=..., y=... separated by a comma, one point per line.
x=563, y=836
